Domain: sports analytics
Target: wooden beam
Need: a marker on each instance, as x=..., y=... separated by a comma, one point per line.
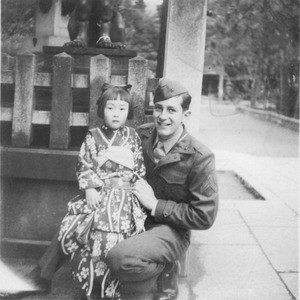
x=6, y=114
x=38, y=163
x=7, y=77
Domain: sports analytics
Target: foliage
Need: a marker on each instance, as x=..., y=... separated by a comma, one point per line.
x=257, y=38
x=142, y=30
x=17, y=23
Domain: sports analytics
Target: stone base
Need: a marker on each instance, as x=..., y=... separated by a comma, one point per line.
x=51, y=41
x=119, y=57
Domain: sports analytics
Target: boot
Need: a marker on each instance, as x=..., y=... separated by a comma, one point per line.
x=167, y=282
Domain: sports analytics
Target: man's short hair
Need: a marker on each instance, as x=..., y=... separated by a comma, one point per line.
x=186, y=101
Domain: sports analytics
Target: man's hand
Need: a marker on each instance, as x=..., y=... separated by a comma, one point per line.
x=92, y=198
x=145, y=194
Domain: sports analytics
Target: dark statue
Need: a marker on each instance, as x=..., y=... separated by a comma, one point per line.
x=93, y=23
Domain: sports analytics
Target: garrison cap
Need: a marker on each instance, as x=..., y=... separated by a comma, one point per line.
x=167, y=89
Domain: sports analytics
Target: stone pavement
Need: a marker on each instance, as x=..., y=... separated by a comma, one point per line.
x=251, y=252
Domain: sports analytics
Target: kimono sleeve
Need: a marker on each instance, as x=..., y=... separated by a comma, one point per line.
x=139, y=166
x=86, y=168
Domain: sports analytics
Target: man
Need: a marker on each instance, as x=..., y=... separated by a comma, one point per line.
x=180, y=194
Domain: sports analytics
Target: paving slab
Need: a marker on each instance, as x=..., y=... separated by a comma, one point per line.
x=229, y=229
x=231, y=272
x=288, y=195
x=264, y=213
x=280, y=245
x=275, y=176
x=291, y=280
x=291, y=199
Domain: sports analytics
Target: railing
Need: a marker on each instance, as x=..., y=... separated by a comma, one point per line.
x=23, y=112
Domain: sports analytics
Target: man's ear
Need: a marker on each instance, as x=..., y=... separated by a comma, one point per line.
x=187, y=114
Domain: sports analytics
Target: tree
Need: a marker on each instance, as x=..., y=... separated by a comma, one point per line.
x=142, y=30
x=17, y=22
x=257, y=38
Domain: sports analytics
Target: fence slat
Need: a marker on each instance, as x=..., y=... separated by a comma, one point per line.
x=61, y=101
x=24, y=99
x=41, y=117
x=6, y=114
x=79, y=119
x=100, y=71
x=80, y=81
x=118, y=80
x=43, y=79
x=7, y=76
x=7, y=62
x=137, y=76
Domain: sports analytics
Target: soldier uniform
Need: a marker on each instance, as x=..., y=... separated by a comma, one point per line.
x=185, y=184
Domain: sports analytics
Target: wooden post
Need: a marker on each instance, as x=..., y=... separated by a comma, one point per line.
x=23, y=100
x=138, y=78
x=100, y=72
x=61, y=101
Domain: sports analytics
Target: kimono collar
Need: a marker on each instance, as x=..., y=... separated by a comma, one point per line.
x=109, y=133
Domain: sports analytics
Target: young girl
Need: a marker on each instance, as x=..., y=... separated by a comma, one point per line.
x=110, y=161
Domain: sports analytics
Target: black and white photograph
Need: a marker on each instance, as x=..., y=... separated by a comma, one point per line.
x=149, y=150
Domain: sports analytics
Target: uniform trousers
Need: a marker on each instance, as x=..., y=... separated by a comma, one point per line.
x=137, y=261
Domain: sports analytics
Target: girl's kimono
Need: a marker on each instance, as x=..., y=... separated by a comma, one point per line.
x=109, y=161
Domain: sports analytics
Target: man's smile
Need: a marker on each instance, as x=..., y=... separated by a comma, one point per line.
x=163, y=124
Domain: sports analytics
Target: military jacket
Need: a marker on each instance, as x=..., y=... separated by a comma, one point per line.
x=184, y=182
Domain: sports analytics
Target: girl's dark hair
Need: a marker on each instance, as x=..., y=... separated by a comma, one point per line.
x=111, y=92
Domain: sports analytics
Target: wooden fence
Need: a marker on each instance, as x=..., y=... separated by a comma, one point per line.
x=25, y=78
x=37, y=181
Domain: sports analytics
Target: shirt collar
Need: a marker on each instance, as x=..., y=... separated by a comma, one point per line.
x=169, y=143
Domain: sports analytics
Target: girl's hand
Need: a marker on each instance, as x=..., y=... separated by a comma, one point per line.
x=92, y=198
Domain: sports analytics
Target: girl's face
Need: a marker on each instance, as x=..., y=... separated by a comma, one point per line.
x=115, y=113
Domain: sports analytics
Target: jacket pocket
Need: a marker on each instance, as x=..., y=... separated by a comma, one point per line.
x=173, y=176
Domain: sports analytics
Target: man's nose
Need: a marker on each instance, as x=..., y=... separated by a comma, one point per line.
x=163, y=114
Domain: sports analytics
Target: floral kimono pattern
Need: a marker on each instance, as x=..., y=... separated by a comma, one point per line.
x=109, y=161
